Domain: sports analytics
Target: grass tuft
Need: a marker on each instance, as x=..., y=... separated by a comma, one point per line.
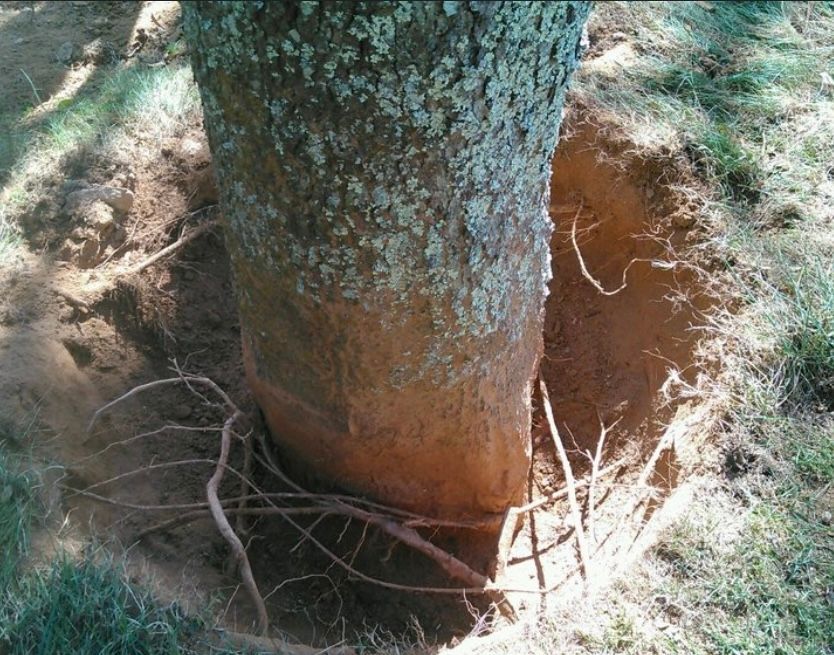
x=806, y=343
x=88, y=608
x=724, y=159
x=149, y=104
x=20, y=504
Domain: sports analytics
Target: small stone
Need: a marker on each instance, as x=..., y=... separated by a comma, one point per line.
x=99, y=216
x=88, y=254
x=67, y=53
x=182, y=412
x=119, y=199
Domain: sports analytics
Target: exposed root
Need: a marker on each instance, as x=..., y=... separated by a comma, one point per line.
x=453, y=566
x=667, y=442
x=197, y=514
x=214, y=503
x=94, y=292
x=584, y=558
x=505, y=542
x=595, y=463
x=185, y=239
x=586, y=274
x=182, y=379
x=396, y=523
x=561, y=493
x=80, y=305
x=240, y=524
x=226, y=530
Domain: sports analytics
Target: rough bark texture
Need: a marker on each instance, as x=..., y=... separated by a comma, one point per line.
x=384, y=170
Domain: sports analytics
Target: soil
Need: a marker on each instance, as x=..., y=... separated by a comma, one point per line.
x=613, y=359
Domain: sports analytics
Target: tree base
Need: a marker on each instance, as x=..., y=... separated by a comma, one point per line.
x=430, y=474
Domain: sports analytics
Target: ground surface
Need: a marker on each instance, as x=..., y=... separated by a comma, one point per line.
x=79, y=327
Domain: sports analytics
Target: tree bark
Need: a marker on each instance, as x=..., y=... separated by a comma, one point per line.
x=383, y=171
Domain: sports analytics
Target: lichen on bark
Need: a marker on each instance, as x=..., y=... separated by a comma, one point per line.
x=384, y=174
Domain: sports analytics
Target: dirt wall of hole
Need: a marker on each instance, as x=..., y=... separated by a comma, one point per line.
x=608, y=357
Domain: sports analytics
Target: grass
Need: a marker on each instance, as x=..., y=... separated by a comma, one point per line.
x=148, y=103
x=734, y=85
x=766, y=591
x=806, y=335
x=87, y=607
x=18, y=507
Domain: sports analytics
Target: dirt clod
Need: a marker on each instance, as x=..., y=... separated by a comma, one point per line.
x=67, y=53
x=119, y=199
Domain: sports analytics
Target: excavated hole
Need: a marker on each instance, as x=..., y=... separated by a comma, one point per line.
x=614, y=359
x=605, y=358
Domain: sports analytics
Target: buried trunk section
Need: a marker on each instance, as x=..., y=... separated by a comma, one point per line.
x=453, y=451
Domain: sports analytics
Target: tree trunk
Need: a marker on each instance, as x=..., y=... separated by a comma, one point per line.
x=383, y=172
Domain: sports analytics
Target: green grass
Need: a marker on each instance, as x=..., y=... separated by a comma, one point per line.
x=765, y=593
x=727, y=161
x=18, y=507
x=86, y=607
x=156, y=97
x=806, y=334
x=132, y=100
x=734, y=84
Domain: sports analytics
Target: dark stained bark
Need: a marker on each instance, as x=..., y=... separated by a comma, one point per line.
x=383, y=170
